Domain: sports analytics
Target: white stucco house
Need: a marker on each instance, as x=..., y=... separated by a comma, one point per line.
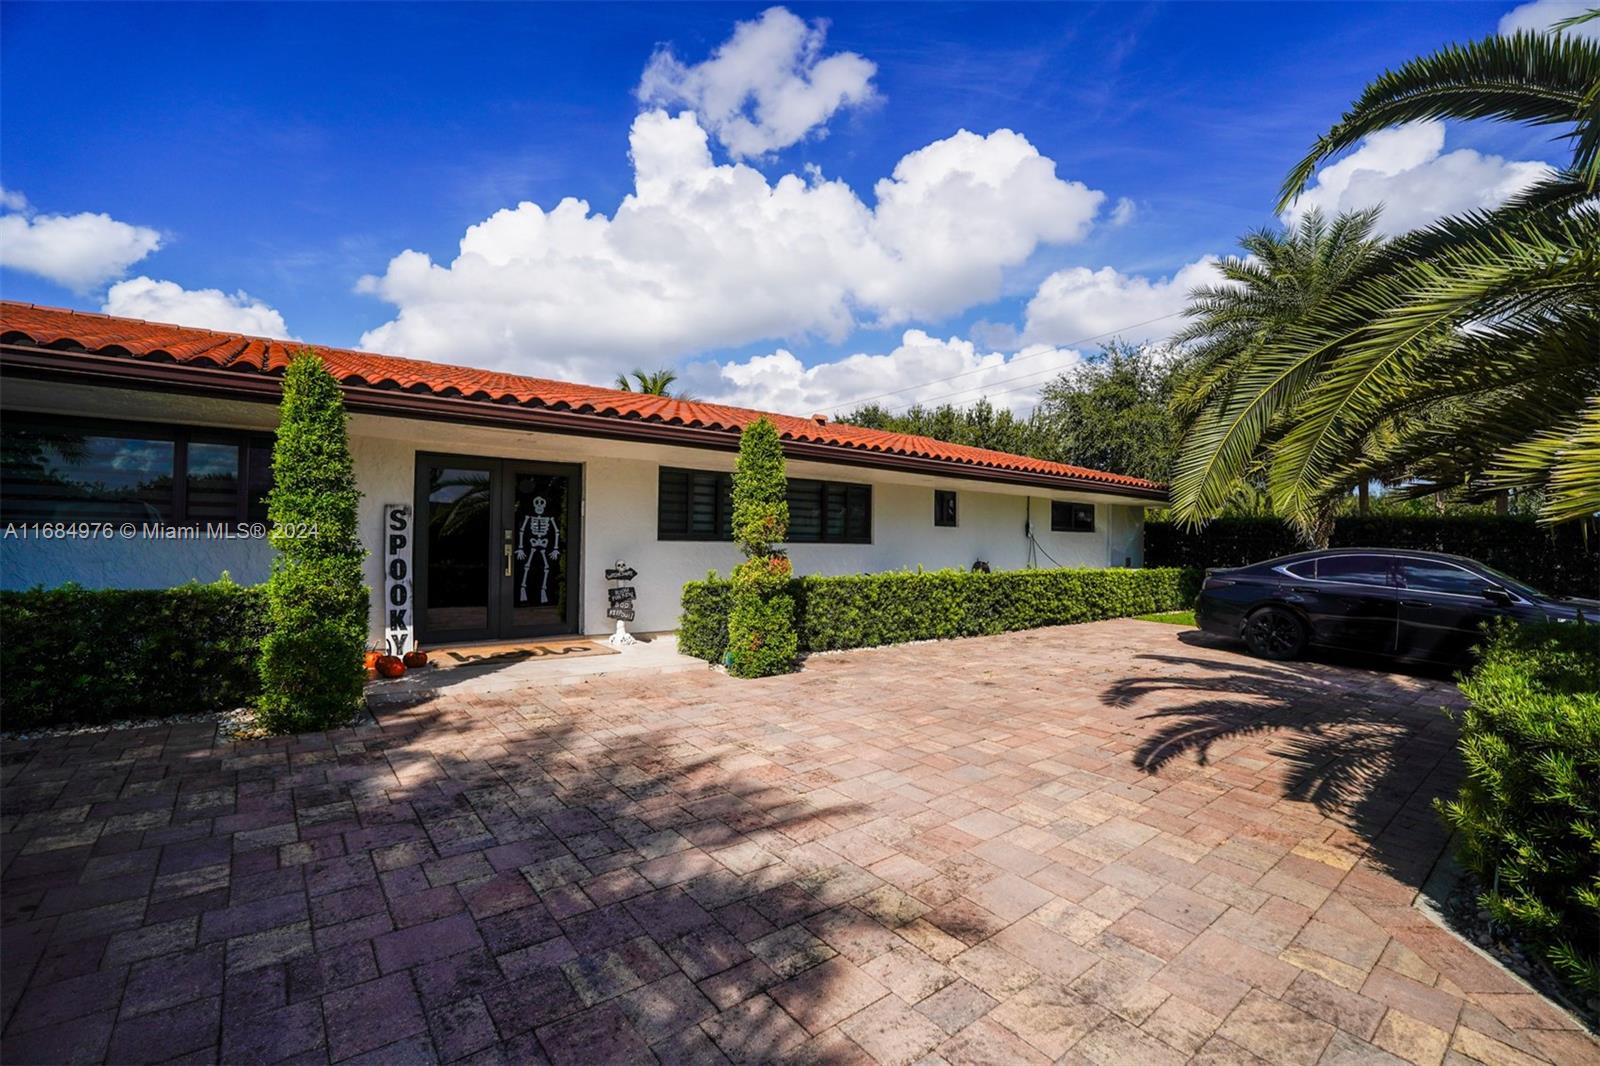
x=521, y=491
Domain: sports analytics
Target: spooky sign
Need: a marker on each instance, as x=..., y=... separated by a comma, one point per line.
x=399, y=625
x=621, y=599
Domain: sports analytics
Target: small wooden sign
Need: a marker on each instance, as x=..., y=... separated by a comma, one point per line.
x=399, y=626
x=621, y=573
x=621, y=596
x=622, y=614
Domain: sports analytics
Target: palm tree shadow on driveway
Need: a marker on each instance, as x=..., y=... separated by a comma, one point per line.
x=1368, y=749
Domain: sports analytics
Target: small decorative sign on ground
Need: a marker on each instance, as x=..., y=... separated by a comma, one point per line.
x=620, y=600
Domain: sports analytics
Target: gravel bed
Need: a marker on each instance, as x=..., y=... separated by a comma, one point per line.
x=236, y=725
x=1475, y=924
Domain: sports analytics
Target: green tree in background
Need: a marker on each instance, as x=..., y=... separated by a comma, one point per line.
x=761, y=631
x=1109, y=413
x=311, y=658
x=1112, y=412
x=980, y=426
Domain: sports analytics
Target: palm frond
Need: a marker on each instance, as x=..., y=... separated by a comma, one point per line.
x=1538, y=79
x=1381, y=333
x=1565, y=459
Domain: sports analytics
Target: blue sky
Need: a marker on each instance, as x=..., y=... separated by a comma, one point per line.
x=280, y=153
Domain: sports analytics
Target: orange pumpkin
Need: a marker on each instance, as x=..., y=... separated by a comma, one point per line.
x=372, y=657
x=390, y=666
x=415, y=657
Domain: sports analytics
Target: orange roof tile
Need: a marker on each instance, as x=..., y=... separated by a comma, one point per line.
x=57, y=328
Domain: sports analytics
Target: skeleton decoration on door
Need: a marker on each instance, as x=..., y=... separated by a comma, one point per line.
x=538, y=543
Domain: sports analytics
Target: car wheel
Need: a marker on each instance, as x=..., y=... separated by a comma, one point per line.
x=1274, y=633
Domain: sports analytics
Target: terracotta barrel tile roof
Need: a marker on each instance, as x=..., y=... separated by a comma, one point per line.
x=56, y=328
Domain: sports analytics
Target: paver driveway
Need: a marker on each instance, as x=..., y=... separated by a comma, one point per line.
x=1105, y=843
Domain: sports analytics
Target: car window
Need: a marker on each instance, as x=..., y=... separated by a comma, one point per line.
x=1521, y=588
x=1426, y=576
x=1307, y=569
x=1354, y=569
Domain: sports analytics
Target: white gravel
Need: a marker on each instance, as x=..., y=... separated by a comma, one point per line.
x=237, y=724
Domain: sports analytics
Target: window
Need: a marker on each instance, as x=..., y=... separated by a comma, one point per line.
x=1354, y=569
x=1071, y=517
x=1306, y=570
x=698, y=505
x=61, y=470
x=1427, y=576
x=694, y=505
x=944, y=508
x=829, y=512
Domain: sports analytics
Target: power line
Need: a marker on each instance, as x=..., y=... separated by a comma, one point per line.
x=1020, y=358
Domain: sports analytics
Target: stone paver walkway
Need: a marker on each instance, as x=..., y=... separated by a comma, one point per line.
x=1100, y=844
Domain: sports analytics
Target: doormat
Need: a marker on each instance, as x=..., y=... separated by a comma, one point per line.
x=496, y=654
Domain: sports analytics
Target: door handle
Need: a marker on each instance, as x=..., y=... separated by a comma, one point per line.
x=1415, y=603
x=508, y=552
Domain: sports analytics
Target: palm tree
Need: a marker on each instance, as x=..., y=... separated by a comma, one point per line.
x=1462, y=354
x=653, y=382
x=1282, y=277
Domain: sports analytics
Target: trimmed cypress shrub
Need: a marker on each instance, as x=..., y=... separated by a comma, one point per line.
x=865, y=610
x=760, y=633
x=1528, y=812
x=77, y=656
x=311, y=659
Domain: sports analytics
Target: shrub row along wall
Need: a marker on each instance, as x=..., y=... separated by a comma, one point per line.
x=1562, y=560
x=75, y=656
x=870, y=609
x=1529, y=810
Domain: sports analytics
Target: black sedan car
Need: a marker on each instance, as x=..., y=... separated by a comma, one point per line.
x=1404, y=604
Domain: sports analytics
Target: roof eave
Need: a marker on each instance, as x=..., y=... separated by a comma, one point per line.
x=124, y=372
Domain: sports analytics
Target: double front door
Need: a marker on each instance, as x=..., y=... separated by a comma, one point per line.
x=497, y=548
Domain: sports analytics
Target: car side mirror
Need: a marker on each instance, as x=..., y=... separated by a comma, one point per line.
x=1496, y=594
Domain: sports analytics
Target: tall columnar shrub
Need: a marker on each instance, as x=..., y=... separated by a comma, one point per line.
x=1528, y=813
x=311, y=658
x=761, y=633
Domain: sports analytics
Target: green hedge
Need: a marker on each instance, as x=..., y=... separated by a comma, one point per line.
x=76, y=656
x=1563, y=561
x=1529, y=811
x=864, y=610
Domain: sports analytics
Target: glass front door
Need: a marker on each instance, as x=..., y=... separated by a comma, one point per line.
x=498, y=548
x=541, y=526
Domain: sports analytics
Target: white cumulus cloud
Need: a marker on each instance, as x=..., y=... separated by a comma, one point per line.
x=951, y=370
x=765, y=88
x=1542, y=15
x=1407, y=171
x=80, y=252
x=167, y=301
x=1074, y=305
x=703, y=255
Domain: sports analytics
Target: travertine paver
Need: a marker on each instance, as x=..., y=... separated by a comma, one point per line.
x=1111, y=843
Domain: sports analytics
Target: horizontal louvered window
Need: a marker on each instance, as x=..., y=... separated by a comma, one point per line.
x=698, y=505
x=694, y=505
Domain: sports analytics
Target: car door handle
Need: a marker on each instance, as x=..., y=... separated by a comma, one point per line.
x=1415, y=603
